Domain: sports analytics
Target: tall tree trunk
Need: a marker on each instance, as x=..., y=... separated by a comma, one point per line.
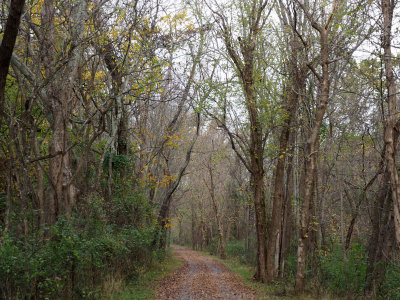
x=56, y=174
x=256, y=159
x=287, y=209
x=193, y=226
x=245, y=65
x=40, y=180
x=391, y=146
x=59, y=93
x=261, y=227
x=221, y=242
x=380, y=216
x=381, y=228
x=311, y=159
x=180, y=232
x=295, y=86
x=278, y=197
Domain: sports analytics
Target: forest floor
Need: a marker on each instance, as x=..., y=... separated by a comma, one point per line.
x=202, y=277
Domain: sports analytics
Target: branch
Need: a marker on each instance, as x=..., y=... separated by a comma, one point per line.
x=228, y=42
x=311, y=67
x=314, y=24
x=167, y=199
x=232, y=139
x=335, y=5
x=52, y=155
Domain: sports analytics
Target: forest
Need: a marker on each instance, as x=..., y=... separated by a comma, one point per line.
x=264, y=132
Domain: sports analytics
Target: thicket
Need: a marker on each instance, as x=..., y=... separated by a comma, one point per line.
x=77, y=256
x=81, y=255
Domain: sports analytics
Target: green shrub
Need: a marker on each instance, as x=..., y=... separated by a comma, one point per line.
x=13, y=264
x=213, y=246
x=390, y=288
x=344, y=276
x=237, y=250
x=291, y=263
x=73, y=258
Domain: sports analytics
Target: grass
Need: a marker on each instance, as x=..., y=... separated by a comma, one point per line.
x=144, y=288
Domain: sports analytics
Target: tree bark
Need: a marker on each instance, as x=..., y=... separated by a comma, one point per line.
x=295, y=86
x=311, y=159
x=378, y=231
x=221, y=241
x=391, y=146
x=7, y=46
x=59, y=91
x=256, y=156
x=287, y=209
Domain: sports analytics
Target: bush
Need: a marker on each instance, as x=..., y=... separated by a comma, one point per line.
x=237, y=250
x=291, y=263
x=391, y=286
x=344, y=276
x=234, y=249
x=213, y=246
x=75, y=256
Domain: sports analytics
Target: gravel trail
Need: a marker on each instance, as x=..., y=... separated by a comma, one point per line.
x=201, y=277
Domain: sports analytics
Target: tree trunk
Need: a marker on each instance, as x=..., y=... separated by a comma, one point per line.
x=56, y=173
x=287, y=209
x=261, y=228
x=311, y=161
x=193, y=227
x=245, y=65
x=221, y=242
x=391, y=147
x=40, y=183
x=295, y=86
x=276, y=221
x=380, y=216
x=59, y=93
x=382, y=229
x=166, y=201
x=256, y=159
x=7, y=46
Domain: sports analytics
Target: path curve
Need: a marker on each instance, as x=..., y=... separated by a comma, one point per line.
x=201, y=277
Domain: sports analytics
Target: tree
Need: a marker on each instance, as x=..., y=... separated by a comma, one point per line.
x=297, y=70
x=391, y=122
x=243, y=56
x=330, y=42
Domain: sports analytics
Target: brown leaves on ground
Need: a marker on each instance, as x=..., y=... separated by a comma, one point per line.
x=202, y=277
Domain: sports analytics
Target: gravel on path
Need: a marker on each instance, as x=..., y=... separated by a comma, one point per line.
x=202, y=278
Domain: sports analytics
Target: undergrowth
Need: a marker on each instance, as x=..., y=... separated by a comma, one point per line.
x=91, y=254
x=336, y=276
x=144, y=288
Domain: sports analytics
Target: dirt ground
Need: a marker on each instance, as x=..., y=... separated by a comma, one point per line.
x=201, y=277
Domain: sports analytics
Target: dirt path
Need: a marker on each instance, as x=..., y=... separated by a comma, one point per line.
x=201, y=277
